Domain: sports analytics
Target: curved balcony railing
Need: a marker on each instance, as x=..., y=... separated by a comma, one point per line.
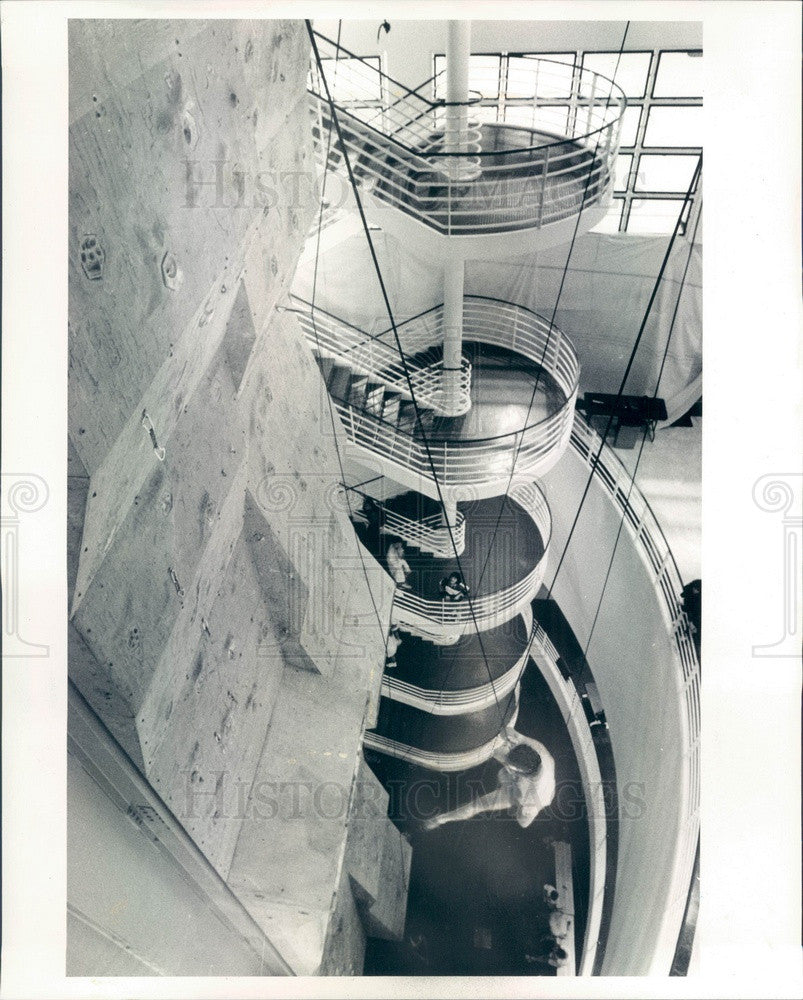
x=649, y=541
x=442, y=760
x=545, y=162
x=488, y=610
x=457, y=702
x=377, y=358
x=474, y=462
x=488, y=320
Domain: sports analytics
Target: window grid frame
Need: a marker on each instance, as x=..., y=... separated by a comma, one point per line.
x=645, y=103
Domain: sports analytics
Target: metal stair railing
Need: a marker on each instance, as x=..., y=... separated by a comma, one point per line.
x=374, y=357
x=476, y=461
x=551, y=155
x=429, y=533
x=459, y=701
x=492, y=609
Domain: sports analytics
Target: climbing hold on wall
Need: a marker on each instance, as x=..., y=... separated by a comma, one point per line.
x=147, y=423
x=176, y=584
x=93, y=257
x=208, y=312
x=172, y=275
x=189, y=129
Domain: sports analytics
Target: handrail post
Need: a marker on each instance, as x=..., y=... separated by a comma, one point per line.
x=453, y=280
x=543, y=188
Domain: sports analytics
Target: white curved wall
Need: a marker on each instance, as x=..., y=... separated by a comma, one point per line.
x=641, y=683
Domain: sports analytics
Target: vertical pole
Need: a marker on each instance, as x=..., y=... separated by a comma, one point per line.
x=458, y=51
x=449, y=513
x=449, y=521
x=453, y=277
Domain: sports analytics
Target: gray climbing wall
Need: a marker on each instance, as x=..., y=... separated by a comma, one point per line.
x=221, y=625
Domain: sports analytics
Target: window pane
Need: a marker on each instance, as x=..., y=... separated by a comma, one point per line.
x=484, y=113
x=550, y=75
x=551, y=120
x=654, y=215
x=610, y=224
x=622, y=172
x=665, y=173
x=562, y=57
x=630, y=120
x=483, y=76
x=630, y=74
x=680, y=74
x=674, y=127
x=351, y=80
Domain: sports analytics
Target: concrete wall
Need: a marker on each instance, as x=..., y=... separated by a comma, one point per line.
x=221, y=623
x=637, y=674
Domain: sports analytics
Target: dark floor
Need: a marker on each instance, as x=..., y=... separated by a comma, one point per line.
x=475, y=902
x=424, y=730
x=502, y=546
x=508, y=393
x=471, y=661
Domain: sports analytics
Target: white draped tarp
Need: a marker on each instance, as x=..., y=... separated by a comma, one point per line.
x=599, y=300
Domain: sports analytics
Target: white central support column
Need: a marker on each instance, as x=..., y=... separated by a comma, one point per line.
x=458, y=51
x=449, y=519
x=453, y=276
x=449, y=513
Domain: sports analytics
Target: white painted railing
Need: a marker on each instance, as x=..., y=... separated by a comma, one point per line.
x=490, y=610
x=435, y=761
x=542, y=164
x=653, y=549
x=378, y=358
x=429, y=534
x=440, y=760
x=530, y=451
x=456, y=702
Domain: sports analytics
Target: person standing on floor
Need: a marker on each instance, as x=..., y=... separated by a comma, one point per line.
x=393, y=643
x=398, y=565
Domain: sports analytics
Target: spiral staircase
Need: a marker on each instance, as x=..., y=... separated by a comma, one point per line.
x=438, y=420
x=433, y=408
x=432, y=171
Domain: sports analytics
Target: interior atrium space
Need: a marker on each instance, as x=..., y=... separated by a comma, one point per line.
x=384, y=489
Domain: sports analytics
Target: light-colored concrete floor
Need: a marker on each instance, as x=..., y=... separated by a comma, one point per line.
x=669, y=476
